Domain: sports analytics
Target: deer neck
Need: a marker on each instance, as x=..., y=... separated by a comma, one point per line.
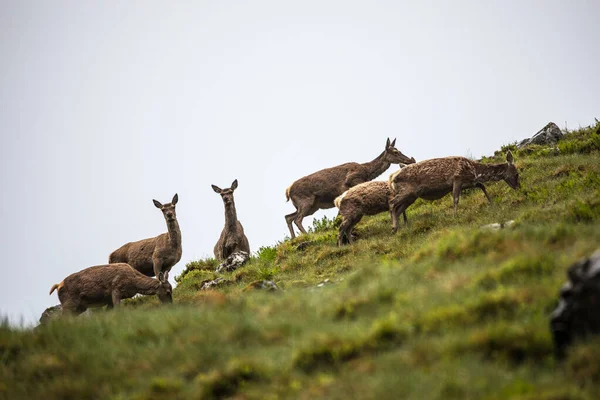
x=376, y=167
x=490, y=172
x=230, y=215
x=174, y=233
x=147, y=286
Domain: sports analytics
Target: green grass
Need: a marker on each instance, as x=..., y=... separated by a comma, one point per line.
x=441, y=310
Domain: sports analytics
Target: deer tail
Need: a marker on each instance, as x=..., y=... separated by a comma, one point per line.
x=338, y=200
x=56, y=286
x=287, y=193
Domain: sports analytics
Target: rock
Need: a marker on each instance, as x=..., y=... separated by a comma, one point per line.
x=50, y=313
x=262, y=285
x=325, y=282
x=496, y=226
x=304, y=245
x=212, y=284
x=576, y=315
x=550, y=134
x=233, y=262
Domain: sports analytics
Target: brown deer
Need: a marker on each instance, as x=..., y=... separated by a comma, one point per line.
x=154, y=256
x=319, y=190
x=435, y=178
x=368, y=198
x=107, y=285
x=232, y=237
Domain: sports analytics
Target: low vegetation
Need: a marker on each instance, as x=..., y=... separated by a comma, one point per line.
x=444, y=309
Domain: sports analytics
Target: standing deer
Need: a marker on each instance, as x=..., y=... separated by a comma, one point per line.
x=106, y=285
x=435, y=178
x=319, y=190
x=232, y=237
x=154, y=256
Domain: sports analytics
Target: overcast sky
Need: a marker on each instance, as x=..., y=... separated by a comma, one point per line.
x=106, y=105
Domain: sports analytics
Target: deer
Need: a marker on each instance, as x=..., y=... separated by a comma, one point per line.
x=107, y=285
x=433, y=179
x=319, y=190
x=154, y=256
x=368, y=198
x=232, y=237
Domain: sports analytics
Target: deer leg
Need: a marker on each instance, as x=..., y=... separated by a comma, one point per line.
x=456, y=194
x=352, y=223
x=157, y=266
x=345, y=231
x=70, y=308
x=306, y=208
x=116, y=298
x=399, y=205
x=289, y=219
x=480, y=186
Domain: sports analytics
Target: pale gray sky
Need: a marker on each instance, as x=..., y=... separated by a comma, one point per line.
x=105, y=105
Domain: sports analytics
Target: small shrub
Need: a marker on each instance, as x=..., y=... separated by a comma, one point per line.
x=267, y=253
x=325, y=224
x=585, y=210
x=200, y=265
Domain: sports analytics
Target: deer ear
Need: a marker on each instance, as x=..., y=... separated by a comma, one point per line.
x=157, y=203
x=394, y=143
x=509, y=158
x=175, y=199
x=387, y=144
x=234, y=185
x=216, y=189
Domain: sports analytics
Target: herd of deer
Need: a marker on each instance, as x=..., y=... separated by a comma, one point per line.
x=349, y=187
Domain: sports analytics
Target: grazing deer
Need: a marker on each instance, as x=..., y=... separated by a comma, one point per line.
x=368, y=198
x=154, y=256
x=232, y=237
x=106, y=285
x=435, y=178
x=319, y=190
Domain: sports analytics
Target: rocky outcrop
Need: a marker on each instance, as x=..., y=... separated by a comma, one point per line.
x=233, y=262
x=576, y=316
x=262, y=285
x=550, y=134
x=214, y=283
x=50, y=313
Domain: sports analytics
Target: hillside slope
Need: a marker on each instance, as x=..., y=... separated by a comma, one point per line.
x=443, y=309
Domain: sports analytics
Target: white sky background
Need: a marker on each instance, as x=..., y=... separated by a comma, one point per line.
x=106, y=105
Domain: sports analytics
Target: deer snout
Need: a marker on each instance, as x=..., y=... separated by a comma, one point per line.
x=413, y=160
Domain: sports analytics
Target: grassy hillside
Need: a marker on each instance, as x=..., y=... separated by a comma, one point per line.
x=442, y=310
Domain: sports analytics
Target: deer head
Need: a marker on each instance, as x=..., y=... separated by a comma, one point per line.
x=395, y=156
x=226, y=194
x=165, y=292
x=511, y=175
x=168, y=209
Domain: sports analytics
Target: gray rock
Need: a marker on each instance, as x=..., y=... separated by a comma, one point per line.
x=212, y=284
x=550, y=134
x=325, y=282
x=51, y=313
x=233, y=262
x=577, y=316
